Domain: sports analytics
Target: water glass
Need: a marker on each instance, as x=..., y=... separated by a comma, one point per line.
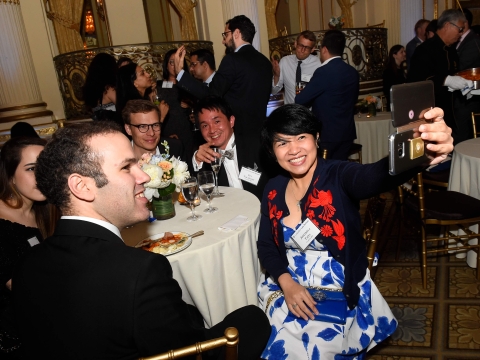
x=206, y=182
x=190, y=192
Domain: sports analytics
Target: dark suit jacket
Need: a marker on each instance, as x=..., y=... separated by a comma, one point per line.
x=244, y=79
x=411, y=46
x=469, y=51
x=332, y=93
x=84, y=294
x=247, y=155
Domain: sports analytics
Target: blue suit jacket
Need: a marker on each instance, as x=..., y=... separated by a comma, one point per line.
x=332, y=93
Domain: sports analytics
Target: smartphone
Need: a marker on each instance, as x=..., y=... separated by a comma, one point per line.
x=409, y=102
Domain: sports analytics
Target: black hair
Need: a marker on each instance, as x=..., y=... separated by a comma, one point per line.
x=22, y=129
x=291, y=119
x=334, y=41
x=244, y=25
x=169, y=53
x=204, y=55
x=101, y=75
x=213, y=103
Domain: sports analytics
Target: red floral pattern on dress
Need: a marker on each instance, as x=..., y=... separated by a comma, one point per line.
x=272, y=194
x=326, y=230
x=339, y=231
x=315, y=222
x=322, y=198
x=274, y=215
x=311, y=214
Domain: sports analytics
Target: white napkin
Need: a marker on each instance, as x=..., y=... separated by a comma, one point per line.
x=467, y=90
x=234, y=223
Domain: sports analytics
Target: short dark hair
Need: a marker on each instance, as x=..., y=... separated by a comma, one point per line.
x=138, y=106
x=420, y=23
x=244, y=25
x=309, y=35
x=431, y=27
x=450, y=15
x=67, y=153
x=212, y=103
x=468, y=15
x=205, y=55
x=334, y=41
x=291, y=119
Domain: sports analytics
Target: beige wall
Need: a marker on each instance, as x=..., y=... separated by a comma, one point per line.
x=42, y=53
x=127, y=22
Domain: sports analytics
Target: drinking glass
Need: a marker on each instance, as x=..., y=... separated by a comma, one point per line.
x=299, y=86
x=190, y=192
x=216, y=164
x=206, y=182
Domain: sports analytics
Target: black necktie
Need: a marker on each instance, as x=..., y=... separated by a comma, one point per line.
x=298, y=74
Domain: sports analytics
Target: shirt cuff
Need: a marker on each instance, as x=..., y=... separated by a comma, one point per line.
x=196, y=166
x=180, y=74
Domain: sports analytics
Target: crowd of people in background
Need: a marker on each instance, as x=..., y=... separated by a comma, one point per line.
x=84, y=294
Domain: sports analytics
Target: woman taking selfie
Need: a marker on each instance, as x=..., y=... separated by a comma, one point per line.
x=311, y=246
x=25, y=220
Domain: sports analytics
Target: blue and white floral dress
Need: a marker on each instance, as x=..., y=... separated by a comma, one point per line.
x=370, y=322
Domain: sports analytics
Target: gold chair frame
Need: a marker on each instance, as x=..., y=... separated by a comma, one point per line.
x=229, y=340
x=371, y=225
x=462, y=224
x=475, y=131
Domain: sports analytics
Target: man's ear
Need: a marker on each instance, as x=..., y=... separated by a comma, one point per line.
x=232, y=121
x=128, y=129
x=82, y=187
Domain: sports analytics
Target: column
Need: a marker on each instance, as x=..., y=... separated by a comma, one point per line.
x=410, y=13
x=20, y=97
x=248, y=8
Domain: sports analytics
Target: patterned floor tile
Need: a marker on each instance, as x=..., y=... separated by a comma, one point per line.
x=464, y=327
x=391, y=357
x=463, y=283
x=414, y=325
x=405, y=281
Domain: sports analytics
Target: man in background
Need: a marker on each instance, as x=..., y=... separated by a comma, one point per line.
x=202, y=65
x=332, y=93
x=296, y=68
x=420, y=36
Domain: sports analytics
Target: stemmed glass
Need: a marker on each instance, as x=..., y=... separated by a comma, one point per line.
x=216, y=163
x=190, y=192
x=206, y=181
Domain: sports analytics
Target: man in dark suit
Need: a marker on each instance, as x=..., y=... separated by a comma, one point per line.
x=420, y=36
x=243, y=77
x=468, y=50
x=332, y=93
x=82, y=293
x=216, y=122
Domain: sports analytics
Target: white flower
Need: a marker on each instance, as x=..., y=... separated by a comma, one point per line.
x=155, y=174
x=150, y=193
x=180, y=172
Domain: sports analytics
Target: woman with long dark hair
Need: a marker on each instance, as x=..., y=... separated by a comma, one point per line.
x=394, y=72
x=25, y=220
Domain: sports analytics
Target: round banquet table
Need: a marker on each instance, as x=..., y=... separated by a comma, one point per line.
x=373, y=134
x=218, y=272
x=465, y=178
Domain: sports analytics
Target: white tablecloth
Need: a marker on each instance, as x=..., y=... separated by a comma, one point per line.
x=218, y=273
x=373, y=134
x=465, y=178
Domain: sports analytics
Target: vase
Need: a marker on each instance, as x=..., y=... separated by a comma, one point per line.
x=163, y=207
x=372, y=109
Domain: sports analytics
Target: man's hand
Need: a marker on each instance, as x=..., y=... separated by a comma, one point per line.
x=439, y=133
x=458, y=83
x=276, y=71
x=205, y=154
x=179, y=58
x=9, y=284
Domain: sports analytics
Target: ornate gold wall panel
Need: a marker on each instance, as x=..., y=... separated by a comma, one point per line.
x=72, y=68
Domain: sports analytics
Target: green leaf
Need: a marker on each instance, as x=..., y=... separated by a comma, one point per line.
x=168, y=190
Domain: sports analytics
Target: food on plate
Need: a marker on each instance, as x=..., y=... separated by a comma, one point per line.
x=470, y=74
x=166, y=244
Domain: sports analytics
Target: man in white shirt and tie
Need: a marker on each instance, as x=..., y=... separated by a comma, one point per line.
x=295, y=68
x=240, y=168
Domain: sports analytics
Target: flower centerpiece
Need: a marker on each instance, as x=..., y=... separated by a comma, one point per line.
x=370, y=104
x=336, y=22
x=167, y=173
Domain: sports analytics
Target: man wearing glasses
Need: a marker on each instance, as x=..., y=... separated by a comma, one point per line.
x=142, y=123
x=202, y=65
x=437, y=60
x=296, y=68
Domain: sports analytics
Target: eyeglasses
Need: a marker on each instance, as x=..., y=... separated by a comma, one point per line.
x=143, y=128
x=193, y=64
x=303, y=47
x=224, y=34
x=460, y=29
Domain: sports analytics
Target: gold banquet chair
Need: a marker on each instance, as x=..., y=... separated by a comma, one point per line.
x=445, y=208
x=476, y=129
x=229, y=340
x=371, y=225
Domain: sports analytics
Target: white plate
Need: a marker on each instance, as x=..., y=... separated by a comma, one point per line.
x=185, y=245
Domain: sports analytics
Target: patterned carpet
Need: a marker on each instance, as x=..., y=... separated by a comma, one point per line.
x=438, y=323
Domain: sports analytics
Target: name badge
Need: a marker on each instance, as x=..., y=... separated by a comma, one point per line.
x=306, y=77
x=305, y=234
x=167, y=84
x=33, y=241
x=249, y=175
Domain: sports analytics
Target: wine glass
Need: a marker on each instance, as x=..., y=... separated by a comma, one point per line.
x=206, y=182
x=190, y=192
x=216, y=163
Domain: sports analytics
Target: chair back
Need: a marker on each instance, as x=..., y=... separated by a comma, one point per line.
x=475, y=125
x=229, y=340
x=371, y=225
